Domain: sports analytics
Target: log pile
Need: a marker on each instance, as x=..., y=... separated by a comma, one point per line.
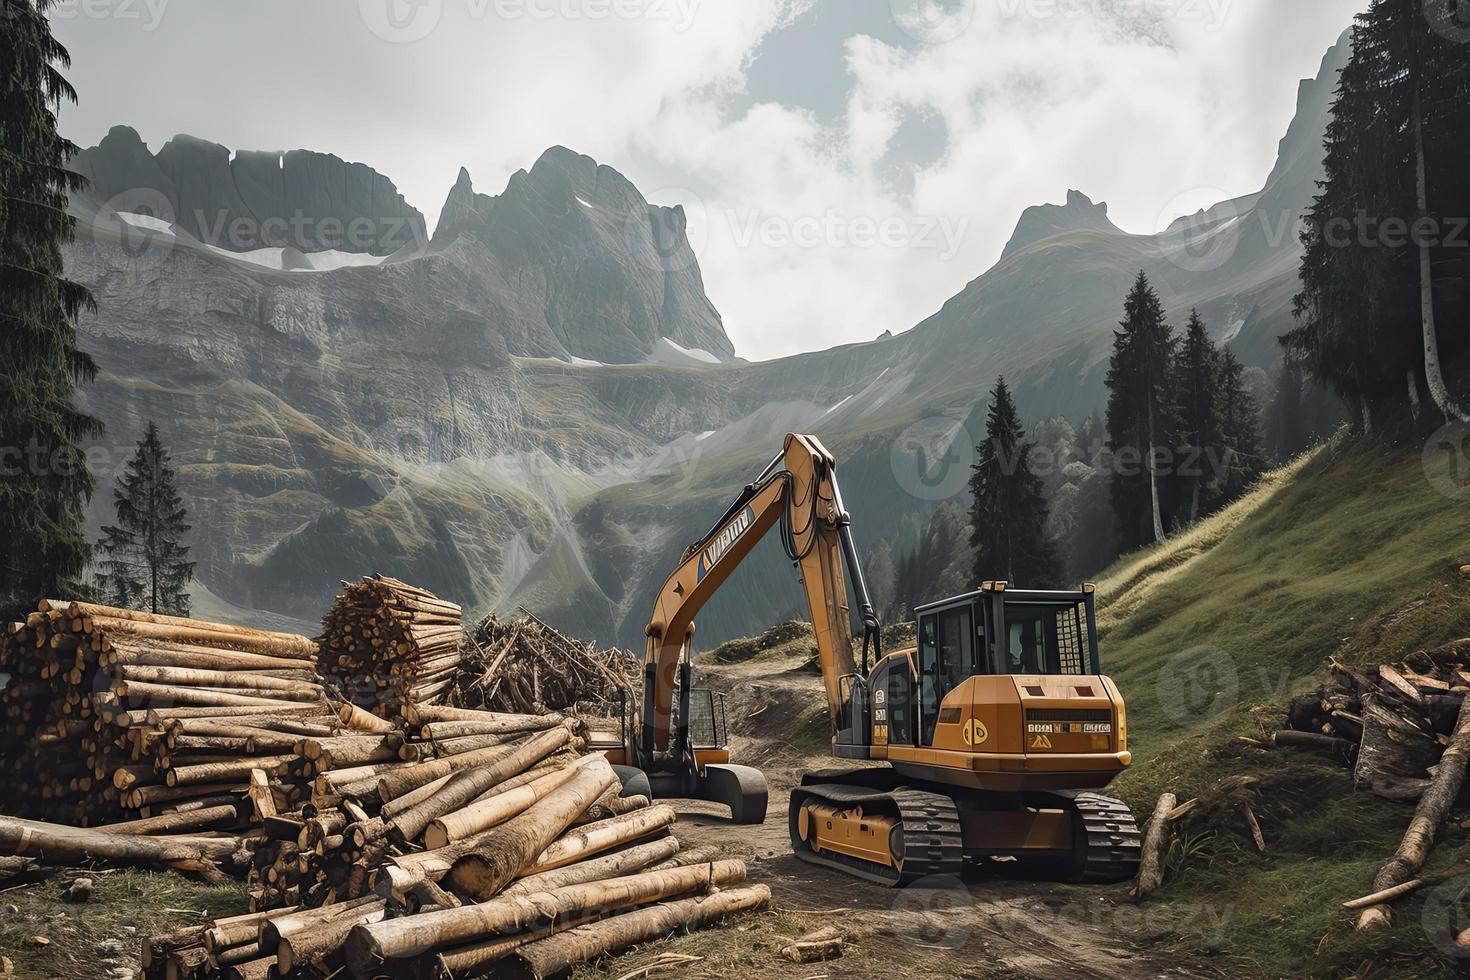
x=525, y=666
x=113, y=710
x=508, y=850
x=386, y=643
x=1389, y=723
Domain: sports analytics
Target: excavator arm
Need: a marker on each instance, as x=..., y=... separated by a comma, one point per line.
x=798, y=492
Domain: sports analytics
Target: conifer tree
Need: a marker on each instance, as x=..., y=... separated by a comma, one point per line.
x=45, y=484
x=1139, y=416
x=1195, y=388
x=1242, y=460
x=147, y=563
x=1009, y=517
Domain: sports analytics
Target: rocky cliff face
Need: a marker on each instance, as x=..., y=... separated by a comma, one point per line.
x=494, y=414
x=251, y=200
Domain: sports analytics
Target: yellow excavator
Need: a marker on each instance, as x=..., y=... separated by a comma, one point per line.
x=994, y=729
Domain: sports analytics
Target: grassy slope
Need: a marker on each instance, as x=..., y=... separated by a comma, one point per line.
x=1349, y=553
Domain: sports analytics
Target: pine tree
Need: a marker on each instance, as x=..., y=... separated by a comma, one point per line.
x=1242, y=460
x=1139, y=416
x=46, y=485
x=1373, y=292
x=1195, y=384
x=1010, y=513
x=147, y=562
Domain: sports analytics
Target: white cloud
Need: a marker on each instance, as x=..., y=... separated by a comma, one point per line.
x=1034, y=104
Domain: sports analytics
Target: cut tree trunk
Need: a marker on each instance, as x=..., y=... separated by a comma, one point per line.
x=1151, y=862
x=640, y=857
x=596, y=838
x=1433, y=808
x=554, y=956
x=480, y=816
x=369, y=947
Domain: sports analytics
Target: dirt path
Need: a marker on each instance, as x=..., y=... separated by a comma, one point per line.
x=981, y=926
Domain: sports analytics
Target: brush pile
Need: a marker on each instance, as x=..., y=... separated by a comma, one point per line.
x=506, y=850
x=112, y=710
x=1389, y=723
x=524, y=665
x=386, y=643
x=1405, y=730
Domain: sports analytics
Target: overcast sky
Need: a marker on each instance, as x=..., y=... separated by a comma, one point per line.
x=847, y=165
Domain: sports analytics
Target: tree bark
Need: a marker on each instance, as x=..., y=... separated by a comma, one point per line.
x=477, y=816
x=1151, y=862
x=56, y=844
x=369, y=947
x=552, y=957
x=1434, y=805
x=494, y=722
x=640, y=857
x=595, y=838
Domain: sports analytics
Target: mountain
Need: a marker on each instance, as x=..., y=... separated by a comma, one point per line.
x=539, y=405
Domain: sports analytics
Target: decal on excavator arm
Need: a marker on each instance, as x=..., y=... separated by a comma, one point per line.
x=716, y=549
x=975, y=732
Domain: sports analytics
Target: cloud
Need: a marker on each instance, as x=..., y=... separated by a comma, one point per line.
x=811, y=241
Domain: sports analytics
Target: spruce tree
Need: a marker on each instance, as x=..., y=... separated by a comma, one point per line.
x=147, y=562
x=1009, y=517
x=1370, y=295
x=1139, y=415
x=1242, y=459
x=46, y=485
x=1195, y=388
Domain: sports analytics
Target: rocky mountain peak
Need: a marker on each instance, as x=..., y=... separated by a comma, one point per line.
x=1045, y=220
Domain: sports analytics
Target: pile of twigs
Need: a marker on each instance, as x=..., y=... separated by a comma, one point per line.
x=503, y=848
x=524, y=665
x=386, y=643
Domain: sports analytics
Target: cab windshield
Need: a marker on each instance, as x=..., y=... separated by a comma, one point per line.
x=1046, y=638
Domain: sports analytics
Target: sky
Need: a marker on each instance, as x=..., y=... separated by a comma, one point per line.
x=846, y=165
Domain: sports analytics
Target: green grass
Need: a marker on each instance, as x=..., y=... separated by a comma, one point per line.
x=1349, y=554
x=100, y=936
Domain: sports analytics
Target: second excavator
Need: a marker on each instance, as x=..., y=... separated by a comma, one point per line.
x=993, y=732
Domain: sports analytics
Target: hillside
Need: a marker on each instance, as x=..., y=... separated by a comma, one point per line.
x=1349, y=553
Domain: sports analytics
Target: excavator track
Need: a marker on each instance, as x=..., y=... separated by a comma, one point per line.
x=1109, y=842
x=930, y=841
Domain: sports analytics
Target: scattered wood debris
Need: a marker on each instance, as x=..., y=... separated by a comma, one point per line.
x=815, y=947
x=524, y=665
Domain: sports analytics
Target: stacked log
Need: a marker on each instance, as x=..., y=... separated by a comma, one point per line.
x=386, y=643
x=113, y=712
x=507, y=847
x=524, y=665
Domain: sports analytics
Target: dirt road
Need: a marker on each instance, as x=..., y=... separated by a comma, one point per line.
x=983, y=926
